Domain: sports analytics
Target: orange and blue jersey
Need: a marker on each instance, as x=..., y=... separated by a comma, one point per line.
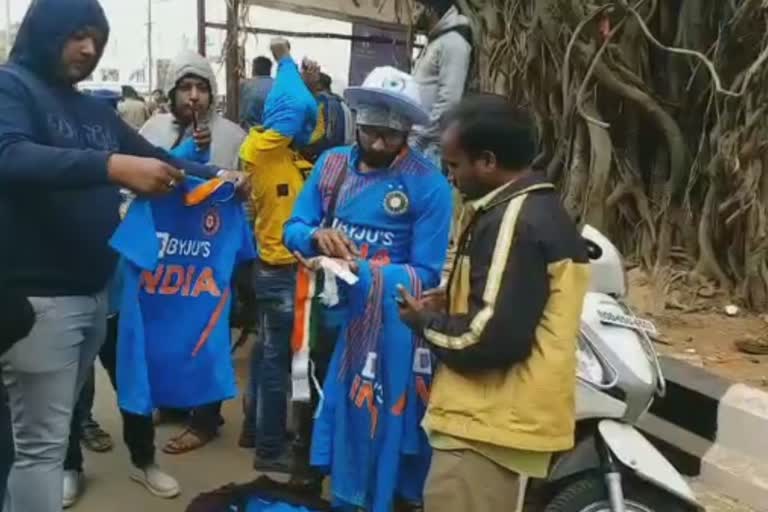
x=367, y=435
x=397, y=215
x=179, y=253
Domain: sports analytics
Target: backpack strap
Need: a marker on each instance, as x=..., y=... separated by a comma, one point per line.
x=464, y=31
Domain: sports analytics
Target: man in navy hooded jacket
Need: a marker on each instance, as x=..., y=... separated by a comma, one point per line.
x=63, y=157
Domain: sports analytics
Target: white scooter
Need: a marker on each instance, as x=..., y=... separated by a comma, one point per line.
x=612, y=468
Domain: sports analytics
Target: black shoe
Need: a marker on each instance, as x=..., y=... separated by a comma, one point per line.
x=247, y=440
x=280, y=464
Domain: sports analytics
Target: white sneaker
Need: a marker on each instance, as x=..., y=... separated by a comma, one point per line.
x=74, y=485
x=156, y=481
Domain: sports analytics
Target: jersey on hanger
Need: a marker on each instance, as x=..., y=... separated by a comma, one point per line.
x=180, y=252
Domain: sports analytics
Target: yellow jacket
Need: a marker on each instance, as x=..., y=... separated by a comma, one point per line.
x=277, y=176
x=507, y=344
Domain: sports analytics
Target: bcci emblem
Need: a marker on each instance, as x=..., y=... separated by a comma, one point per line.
x=396, y=203
x=395, y=84
x=211, y=222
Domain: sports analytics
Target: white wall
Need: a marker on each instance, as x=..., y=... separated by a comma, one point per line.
x=331, y=54
x=175, y=28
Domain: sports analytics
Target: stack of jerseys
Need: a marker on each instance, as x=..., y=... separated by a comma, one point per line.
x=368, y=434
x=260, y=505
x=260, y=495
x=179, y=254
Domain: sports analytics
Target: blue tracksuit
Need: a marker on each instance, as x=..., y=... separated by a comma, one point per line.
x=368, y=435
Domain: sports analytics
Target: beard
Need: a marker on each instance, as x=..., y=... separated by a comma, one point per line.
x=376, y=159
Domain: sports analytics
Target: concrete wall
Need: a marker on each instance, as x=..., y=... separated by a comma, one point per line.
x=714, y=429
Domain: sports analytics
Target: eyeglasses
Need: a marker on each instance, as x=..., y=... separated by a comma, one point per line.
x=188, y=85
x=388, y=135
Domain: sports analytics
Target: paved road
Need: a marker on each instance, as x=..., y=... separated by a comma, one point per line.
x=108, y=485
x=717, y=503
x=109, y=488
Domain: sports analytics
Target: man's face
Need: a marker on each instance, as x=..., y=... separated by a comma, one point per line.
x=420, y=17
x=193, y=94
x=379, y=147
x=469, y=173
x=80, y=55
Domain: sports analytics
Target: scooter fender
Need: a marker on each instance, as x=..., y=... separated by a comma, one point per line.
x=636, y=453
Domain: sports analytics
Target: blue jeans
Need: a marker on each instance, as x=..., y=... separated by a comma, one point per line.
x=6, y=442
x=43, y=375
x=267, y=414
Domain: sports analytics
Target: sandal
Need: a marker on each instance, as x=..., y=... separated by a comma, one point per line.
x=187, y=441
x=96, y=439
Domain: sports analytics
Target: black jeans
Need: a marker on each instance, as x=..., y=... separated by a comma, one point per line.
x=138, y=431
x=6, y=441
x=205, y=419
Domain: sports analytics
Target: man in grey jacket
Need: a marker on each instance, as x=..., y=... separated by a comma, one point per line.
x=441, y=69
x=193, y=114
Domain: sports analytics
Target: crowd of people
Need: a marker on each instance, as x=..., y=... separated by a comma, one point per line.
x=415, y=284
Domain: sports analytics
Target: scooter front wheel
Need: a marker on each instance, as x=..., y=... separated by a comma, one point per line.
x=591, y=495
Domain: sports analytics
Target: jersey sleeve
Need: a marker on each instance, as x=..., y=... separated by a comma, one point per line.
x=308, y=214
x=431, y=231
x=135, y=238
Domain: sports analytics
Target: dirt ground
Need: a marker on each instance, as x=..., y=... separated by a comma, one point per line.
x=695, y=327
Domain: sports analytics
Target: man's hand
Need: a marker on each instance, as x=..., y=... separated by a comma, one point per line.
x=410, y=309
x=312, y=263
x=334, y=243
x=202, y=136
x=240, y=179
x=435, y=300
x=280, y=48
x=143, y=176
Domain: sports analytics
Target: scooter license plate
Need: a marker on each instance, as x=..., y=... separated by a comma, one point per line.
x=628, y=321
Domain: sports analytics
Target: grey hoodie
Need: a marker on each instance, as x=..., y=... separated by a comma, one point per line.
x=227, y=137
x=441, y=72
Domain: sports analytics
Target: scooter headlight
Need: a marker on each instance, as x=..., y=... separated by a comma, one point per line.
x=589, y=367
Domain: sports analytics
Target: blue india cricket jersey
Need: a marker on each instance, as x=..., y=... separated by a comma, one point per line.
x=179, y=254
x=367, y=435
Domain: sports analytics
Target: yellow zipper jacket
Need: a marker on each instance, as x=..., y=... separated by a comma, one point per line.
x=507, y=344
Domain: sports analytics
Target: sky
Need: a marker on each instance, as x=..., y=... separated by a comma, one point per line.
x=175, y=28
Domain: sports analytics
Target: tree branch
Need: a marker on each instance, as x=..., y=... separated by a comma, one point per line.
x=692, y=53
